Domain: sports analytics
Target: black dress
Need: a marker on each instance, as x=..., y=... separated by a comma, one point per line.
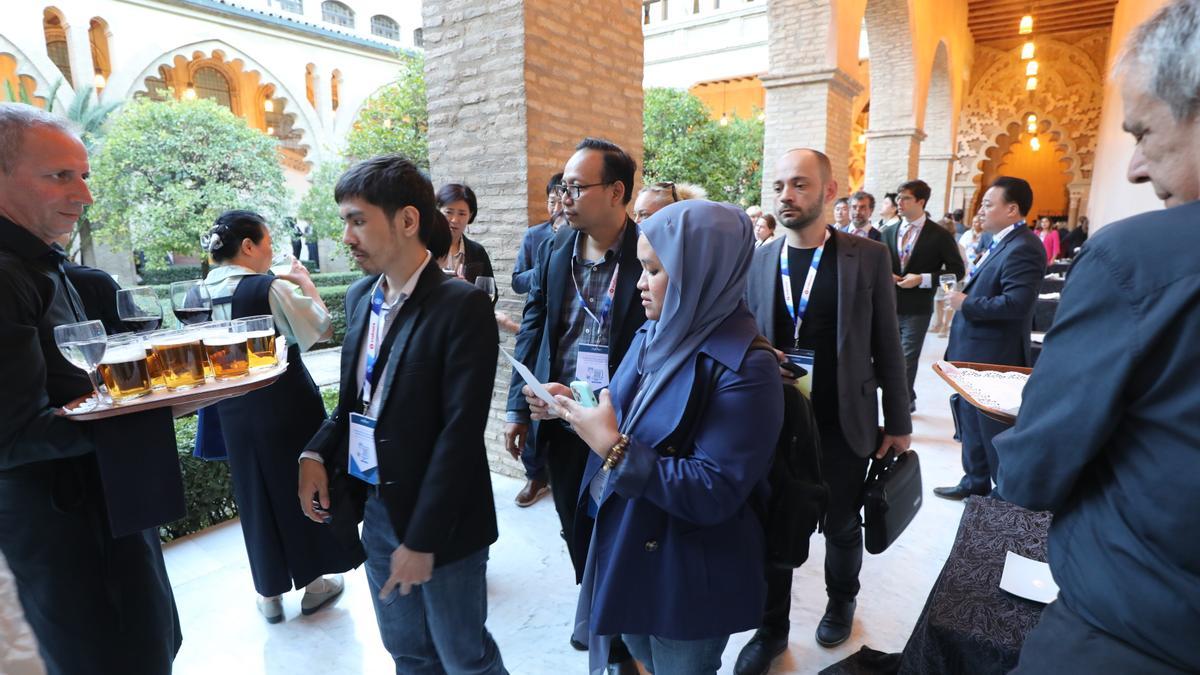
x=264, y=432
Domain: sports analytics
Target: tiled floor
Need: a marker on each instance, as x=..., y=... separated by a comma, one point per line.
x=531, y=590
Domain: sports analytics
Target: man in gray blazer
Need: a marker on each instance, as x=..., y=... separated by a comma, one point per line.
x=827, y=299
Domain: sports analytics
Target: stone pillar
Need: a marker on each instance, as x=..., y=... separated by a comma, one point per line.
x=891, y=158
x=507, y=105
x=79, y=50
x=935, y=170
x=1078, y=193
x=812, y=109
x=962, y=198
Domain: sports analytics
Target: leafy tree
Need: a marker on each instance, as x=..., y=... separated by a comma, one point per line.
x=317, y=207
x=167, y=169
x=395, y=119
x=683, y=144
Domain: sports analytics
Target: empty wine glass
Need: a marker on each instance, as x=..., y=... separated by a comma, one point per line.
x=139, y=309
x=191, y=302
x=487, y=285
x=83, y=345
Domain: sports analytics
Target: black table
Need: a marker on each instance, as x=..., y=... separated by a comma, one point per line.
x=968, y=624
x=1043, y=314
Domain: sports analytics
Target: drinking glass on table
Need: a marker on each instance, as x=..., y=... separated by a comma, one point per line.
x=191, y=302
x=226, y=351
x=83, y=345
x=181, y=358
x=139, y=309
x=259, y=332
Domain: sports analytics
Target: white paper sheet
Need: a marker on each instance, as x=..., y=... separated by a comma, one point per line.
x=530, y=379
x=1028, y=579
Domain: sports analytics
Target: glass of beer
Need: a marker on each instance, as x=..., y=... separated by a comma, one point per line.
x=181, y=357
x=259, y=332
x=124, y=368
x=153, y=363
x=226, y=352
x=204, y=330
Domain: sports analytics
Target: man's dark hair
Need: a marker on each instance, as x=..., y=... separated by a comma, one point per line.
x=391, y=182
x=232, y=228
x=958, y=215
x=555, y=181
x=919, y=190
x=863, y=195
x=891, y=196
x=458, y=192
x=842, y=200
x=1016, y=191
x=769, y=220
x=439, y=240
x=618, y=165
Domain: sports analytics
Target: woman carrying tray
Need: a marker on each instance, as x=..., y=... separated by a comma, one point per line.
x=264, y=431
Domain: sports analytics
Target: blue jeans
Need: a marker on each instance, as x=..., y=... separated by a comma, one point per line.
x=677, y=657
x=912, y=338
x=439, y=626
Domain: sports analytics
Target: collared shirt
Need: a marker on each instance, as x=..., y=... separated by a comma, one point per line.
x=35, y=296
x=299, y=317
x=592, y=278
x=902, y=235
x=864, y=231
x=997, y=238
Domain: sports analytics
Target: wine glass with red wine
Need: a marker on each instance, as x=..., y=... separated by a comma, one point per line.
x=139, y=309
x=191, y=302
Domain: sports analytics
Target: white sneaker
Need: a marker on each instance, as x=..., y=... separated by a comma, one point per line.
x=320, y=593
x=271, y=608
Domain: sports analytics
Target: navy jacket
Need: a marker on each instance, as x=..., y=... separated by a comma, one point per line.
x=679, y=549
x=523, y=272
x=1109, y=435
x=997, y=315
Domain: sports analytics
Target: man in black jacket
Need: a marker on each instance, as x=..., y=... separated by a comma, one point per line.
x=580, y=317
x=404, y=451
x=921, y=251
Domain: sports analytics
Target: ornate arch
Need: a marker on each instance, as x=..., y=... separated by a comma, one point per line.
x=214, y=51
x=36, y=68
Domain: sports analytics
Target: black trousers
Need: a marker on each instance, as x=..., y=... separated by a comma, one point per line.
x=844, y=473
x=96, y=603
x=1063, y=642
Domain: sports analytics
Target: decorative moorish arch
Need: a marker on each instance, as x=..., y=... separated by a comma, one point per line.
x=30, y=73
x=1013, y=137
x=234, y=63
x=937, y=150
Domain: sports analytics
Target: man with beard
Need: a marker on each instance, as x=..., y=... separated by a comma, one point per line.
x=826, y=298
x=862, y=206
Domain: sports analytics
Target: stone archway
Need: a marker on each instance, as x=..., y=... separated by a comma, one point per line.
x=1056, y=180
x=937, y=150
x=30, y=74
x=893, y=139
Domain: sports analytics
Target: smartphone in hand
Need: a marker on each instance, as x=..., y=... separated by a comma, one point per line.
x=582, y=391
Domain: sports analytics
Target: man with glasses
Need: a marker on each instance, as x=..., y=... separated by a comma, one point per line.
x=580, y=317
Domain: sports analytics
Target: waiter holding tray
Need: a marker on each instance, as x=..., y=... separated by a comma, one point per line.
x=98, y=601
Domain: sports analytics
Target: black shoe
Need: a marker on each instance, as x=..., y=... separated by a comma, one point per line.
x=834, y=628
x=956, y=492
x=626, y=667
x=578, y=646
x=758, y=653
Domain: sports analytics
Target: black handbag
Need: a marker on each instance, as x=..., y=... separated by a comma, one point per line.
x=891, y=498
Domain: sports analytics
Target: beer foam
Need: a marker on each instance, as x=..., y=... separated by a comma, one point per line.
x=176, y=341
x=224, y=340
x=124, y=353
x=259, y=334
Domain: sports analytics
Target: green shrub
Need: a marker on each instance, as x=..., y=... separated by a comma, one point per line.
x=167, y=275
x=336, y=278
x=207, y=487
x=329, y=396
x=334, y=298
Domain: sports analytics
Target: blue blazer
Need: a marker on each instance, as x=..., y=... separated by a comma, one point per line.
x=678, y=548
x=997, y=316
x=523, y=272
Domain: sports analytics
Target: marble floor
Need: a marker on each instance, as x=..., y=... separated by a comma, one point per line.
x=531, y=590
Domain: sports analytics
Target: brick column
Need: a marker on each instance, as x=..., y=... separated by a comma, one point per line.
x=891, y=158
x=508, y=104
x=935, y=170
x=808, y=109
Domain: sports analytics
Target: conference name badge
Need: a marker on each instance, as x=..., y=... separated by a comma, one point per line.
x=364, y=462
x=803, y=359
x=591, y=366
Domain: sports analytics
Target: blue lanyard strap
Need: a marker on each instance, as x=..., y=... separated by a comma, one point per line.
x=798, y=310
x=605, y=305
x=374, y=340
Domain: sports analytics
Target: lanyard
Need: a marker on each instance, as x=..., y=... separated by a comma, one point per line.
x=606, y=306
x=375, y=331
x=797, y=312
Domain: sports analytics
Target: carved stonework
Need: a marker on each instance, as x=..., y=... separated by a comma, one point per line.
x=858, y=149
x=1068, y=101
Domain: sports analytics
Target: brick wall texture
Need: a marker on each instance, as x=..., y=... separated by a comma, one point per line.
x=513, y=86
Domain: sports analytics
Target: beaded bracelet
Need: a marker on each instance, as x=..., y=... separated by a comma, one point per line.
x=616, y=453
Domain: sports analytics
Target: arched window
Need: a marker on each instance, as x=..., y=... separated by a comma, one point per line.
x=335, y=85
x=385, y=27
x=210, y=83
x=418, y=37
x=309, y=77
x=56, y=43
x=336, y=13
x=98, y=36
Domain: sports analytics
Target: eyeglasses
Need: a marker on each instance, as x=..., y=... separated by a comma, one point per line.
x=575, y=191
x=667, y=185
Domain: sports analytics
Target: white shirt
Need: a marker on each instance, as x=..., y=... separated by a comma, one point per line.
x=919, y=223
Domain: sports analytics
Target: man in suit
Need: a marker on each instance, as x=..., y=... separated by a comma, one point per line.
x=846, y=328
x=98, y=601
x=580, y=318
x=919, y=255
x=404, y=452
x=1108, y=432
x=536, y=481
x=841, y=214
x=993, y=318
x=862, y=207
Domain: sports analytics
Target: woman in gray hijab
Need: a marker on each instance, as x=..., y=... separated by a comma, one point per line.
x=681, y=450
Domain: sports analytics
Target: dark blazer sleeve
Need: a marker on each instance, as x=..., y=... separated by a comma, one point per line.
x=1056, y=436
x=730, y=457
x=330, y=436
x=886, y=351
x=522, y=276
x=469, y=373
x=533, y=326
x=1020, y=278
